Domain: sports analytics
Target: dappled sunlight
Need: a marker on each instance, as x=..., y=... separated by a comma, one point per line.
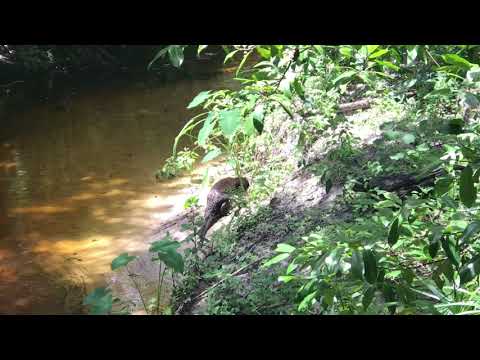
x=8, y=165
x=79, y=188
x=41, y=210
x=5, y=254
x=84, y=196
x=7, y=274
x=114, y=182
x=72, y=246
x=117, y=192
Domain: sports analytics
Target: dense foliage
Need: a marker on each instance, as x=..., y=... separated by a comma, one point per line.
x=414, y=251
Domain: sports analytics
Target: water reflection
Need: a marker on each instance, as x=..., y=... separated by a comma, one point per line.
x=77, y=188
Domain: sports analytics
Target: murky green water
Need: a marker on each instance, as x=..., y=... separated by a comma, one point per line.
x=77, y=186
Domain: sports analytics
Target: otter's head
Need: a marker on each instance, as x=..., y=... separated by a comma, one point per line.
x=221, y=205
x=213, y=213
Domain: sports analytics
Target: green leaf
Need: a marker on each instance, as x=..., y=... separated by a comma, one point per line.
x=454, y=59
x=392, y=134
x=412, y=54
x=471, y=99
x=206, y=130
x=328, y=185
x=446, y=268
x=243, y=62
x=159, y=54
x=408, y=275
x=175, y=54
x=284, y=103
x=297, y=86
x=471, y=230
x=172, y=259
x=454, y=126
x=439, y=92
x=370, y=264
x=347, y=75
x=284, y=248
x=408, y=139
x=473, y=75
x=96, y=294
x=201, y=48
x=186, y=227
x=164, y=245
x=346, y=51
x=450, y=249
x=229, y=121
x=292, y=266
x=368, y=297
x=286, y=278
x=468, y=193
x=476, y=176
x=307, y=300
x=248, y=126
x=378, y=53
x=366, y=77
x=357, y=265
x=433, y=249
x=276, y=259
x=443, y=185
x=100, y=301
x=230, y=55
x=456, y=226
x=190, y=202
x=435, y=237
x=470, y=271
x=212, y=154
x=389, y=294
x=372, y=48
x=448, y=201
x=121, y=261
x=258, y=117
x=265, y=53
x=393, y=233
x=199, y=99
x=388, y=64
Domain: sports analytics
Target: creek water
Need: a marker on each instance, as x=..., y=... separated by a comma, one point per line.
x=77, y=185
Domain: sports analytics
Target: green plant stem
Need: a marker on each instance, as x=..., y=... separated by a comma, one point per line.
x=130, y=275
x=160, y=286
x=431, y=57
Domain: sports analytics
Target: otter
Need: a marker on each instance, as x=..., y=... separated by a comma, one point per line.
x=218, y=201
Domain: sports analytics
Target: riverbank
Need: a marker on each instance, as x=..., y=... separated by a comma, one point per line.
x=233, y=275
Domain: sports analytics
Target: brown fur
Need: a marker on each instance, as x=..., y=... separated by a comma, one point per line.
x=218, y=201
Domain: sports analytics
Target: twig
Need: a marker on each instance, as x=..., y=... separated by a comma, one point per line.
x=130, y=275
x=294, y=58
x=195, y=299
x=238, y=272
x=431, y=57
x=14, y=82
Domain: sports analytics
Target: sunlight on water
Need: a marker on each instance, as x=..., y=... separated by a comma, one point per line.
x=77, y=188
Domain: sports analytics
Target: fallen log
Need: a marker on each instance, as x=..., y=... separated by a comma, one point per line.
x=403, y=184
x=356, y=105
